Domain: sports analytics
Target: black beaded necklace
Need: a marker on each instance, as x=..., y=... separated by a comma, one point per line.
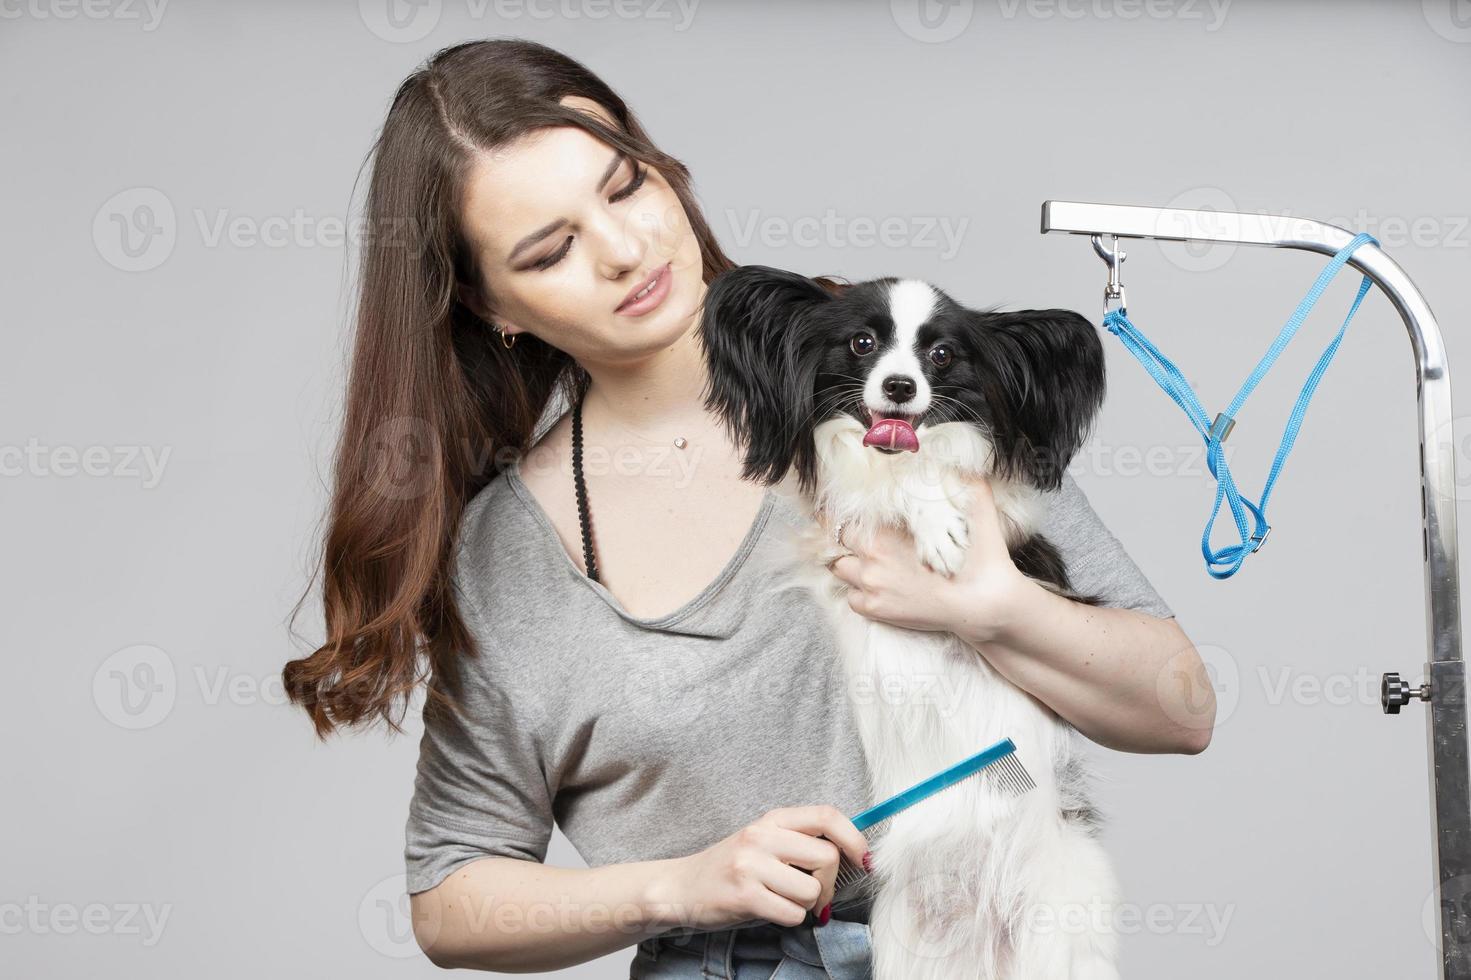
x=584, y=517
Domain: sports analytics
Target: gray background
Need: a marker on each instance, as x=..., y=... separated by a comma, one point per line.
x=153, y=767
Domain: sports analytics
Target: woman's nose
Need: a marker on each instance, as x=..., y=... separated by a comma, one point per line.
x=620, y=244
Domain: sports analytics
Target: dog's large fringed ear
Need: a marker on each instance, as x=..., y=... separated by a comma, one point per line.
x=1045, y=385
x=751, y=328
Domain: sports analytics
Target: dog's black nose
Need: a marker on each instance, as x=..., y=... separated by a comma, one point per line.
x=899, y=388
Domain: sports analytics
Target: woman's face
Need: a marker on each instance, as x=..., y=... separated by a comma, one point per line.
x=565, y=228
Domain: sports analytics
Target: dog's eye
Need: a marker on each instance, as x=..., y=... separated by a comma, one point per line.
x=940, y=356
x=861, y=344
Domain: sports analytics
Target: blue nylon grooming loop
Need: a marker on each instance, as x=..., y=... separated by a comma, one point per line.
x=1225, y=562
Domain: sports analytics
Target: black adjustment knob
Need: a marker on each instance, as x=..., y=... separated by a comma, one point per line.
x=1395, y=693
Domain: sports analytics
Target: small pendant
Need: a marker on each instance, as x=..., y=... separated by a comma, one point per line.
x=679, y=442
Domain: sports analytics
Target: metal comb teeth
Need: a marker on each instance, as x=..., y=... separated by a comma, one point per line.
x=1010, y=776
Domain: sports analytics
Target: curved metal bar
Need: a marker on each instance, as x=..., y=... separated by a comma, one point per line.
x=1445, y=670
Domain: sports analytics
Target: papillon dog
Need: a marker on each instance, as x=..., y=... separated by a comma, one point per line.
x=878, y=402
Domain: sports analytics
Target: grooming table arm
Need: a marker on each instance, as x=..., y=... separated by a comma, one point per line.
x=1445, y=671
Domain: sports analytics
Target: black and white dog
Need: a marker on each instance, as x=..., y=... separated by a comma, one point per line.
x=878, y=401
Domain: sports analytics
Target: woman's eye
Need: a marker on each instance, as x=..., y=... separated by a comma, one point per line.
x=639, y=174
x=861, y=344
x=940, y=356
x=555, y=257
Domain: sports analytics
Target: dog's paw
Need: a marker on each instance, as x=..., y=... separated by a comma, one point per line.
x=942, y=537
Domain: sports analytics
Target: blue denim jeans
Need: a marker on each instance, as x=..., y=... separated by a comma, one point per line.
x=840, y=950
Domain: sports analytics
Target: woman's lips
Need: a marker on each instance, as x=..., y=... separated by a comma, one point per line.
x=651, y=299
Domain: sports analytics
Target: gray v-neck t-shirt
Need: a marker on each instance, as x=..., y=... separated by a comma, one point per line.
x=652, y=738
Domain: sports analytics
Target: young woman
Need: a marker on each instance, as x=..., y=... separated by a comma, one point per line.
x=532, y=251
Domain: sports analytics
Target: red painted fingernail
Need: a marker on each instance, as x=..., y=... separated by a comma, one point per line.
x=868, y=861
x=825, y=914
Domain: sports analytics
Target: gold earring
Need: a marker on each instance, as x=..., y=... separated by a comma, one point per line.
x=507, y=344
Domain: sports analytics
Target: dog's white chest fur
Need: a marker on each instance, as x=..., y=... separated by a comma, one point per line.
x=971, y=883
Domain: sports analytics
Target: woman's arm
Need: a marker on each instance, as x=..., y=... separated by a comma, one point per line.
x=1127, y=680
x=517, y=916
x=514, y=916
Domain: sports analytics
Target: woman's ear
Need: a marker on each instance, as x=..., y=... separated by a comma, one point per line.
x=751, y=328
x=1044, y=383
x=469, y=297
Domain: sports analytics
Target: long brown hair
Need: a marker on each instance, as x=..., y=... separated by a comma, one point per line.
x=435, y=405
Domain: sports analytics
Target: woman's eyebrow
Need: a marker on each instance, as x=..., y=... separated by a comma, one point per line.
x=541, y=233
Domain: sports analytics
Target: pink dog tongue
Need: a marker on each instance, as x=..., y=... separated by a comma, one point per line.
x=892, y=434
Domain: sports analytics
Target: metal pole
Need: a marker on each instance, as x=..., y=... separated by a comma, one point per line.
x=1445, y=671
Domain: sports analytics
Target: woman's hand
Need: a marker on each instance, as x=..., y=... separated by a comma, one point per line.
x=761, y=870
x=888, y=581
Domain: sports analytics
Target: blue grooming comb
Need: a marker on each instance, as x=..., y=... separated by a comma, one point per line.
x=998, y=761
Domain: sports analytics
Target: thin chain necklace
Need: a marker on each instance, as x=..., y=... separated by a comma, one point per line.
x=579, y=482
